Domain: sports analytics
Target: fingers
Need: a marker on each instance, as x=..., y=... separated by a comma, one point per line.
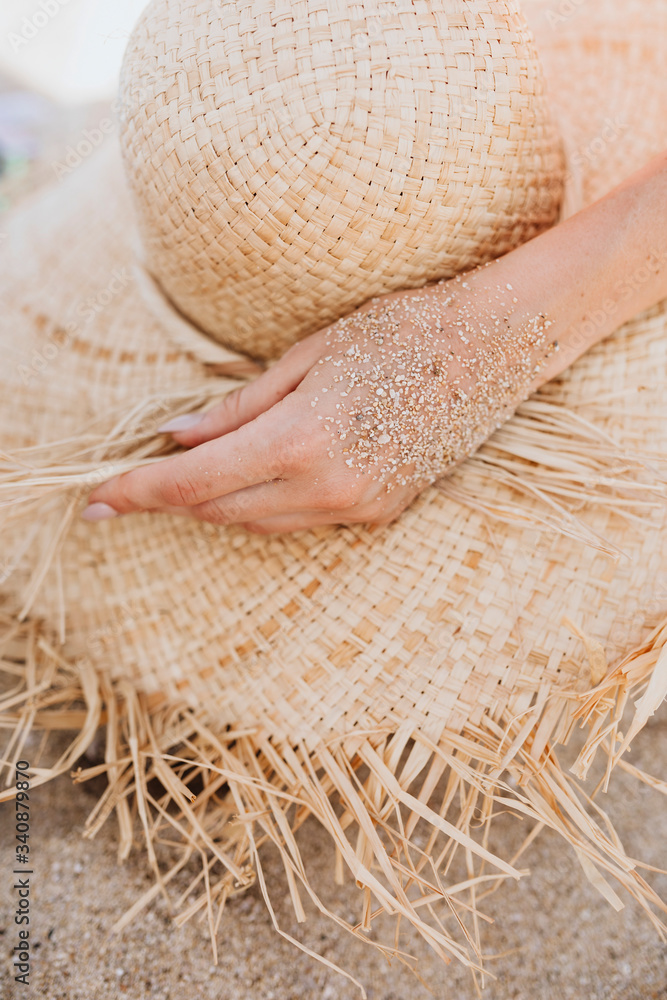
x=253, y=399
x=301, y=521
x=305, y=520
x=265, y=449
x=275, y=507
x=265, y=500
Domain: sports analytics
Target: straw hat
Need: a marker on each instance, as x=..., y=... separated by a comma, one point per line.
x=404, y=683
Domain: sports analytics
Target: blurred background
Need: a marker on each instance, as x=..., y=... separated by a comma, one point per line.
x=59, y=64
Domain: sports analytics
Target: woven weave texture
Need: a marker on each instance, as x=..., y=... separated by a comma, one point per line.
x=445, y=646
x=442, y=616
x=290, y=160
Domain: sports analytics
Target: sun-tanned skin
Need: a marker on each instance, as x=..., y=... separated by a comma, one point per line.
x=270, y=456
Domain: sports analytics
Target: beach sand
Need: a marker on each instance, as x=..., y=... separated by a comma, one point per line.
x=559, y=939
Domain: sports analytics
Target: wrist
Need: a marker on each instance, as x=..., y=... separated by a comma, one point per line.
x=593, y=272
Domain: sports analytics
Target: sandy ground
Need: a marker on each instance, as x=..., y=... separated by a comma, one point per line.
x=560, y=940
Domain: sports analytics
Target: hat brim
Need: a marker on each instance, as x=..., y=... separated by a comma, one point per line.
x=374, y=667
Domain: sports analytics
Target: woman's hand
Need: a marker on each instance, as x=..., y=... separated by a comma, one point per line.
x=352, y=422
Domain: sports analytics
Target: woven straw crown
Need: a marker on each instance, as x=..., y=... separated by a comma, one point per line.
x=400, y=684
x=288, y=161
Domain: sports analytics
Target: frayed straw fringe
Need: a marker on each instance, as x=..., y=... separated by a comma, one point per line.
x=251, y=791
x=552, y=454
x=388, y=833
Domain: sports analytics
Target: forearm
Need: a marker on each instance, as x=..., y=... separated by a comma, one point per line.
x=594, y=271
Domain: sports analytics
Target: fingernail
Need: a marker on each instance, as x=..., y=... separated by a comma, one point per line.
x=183, y=423
x=99, y=512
